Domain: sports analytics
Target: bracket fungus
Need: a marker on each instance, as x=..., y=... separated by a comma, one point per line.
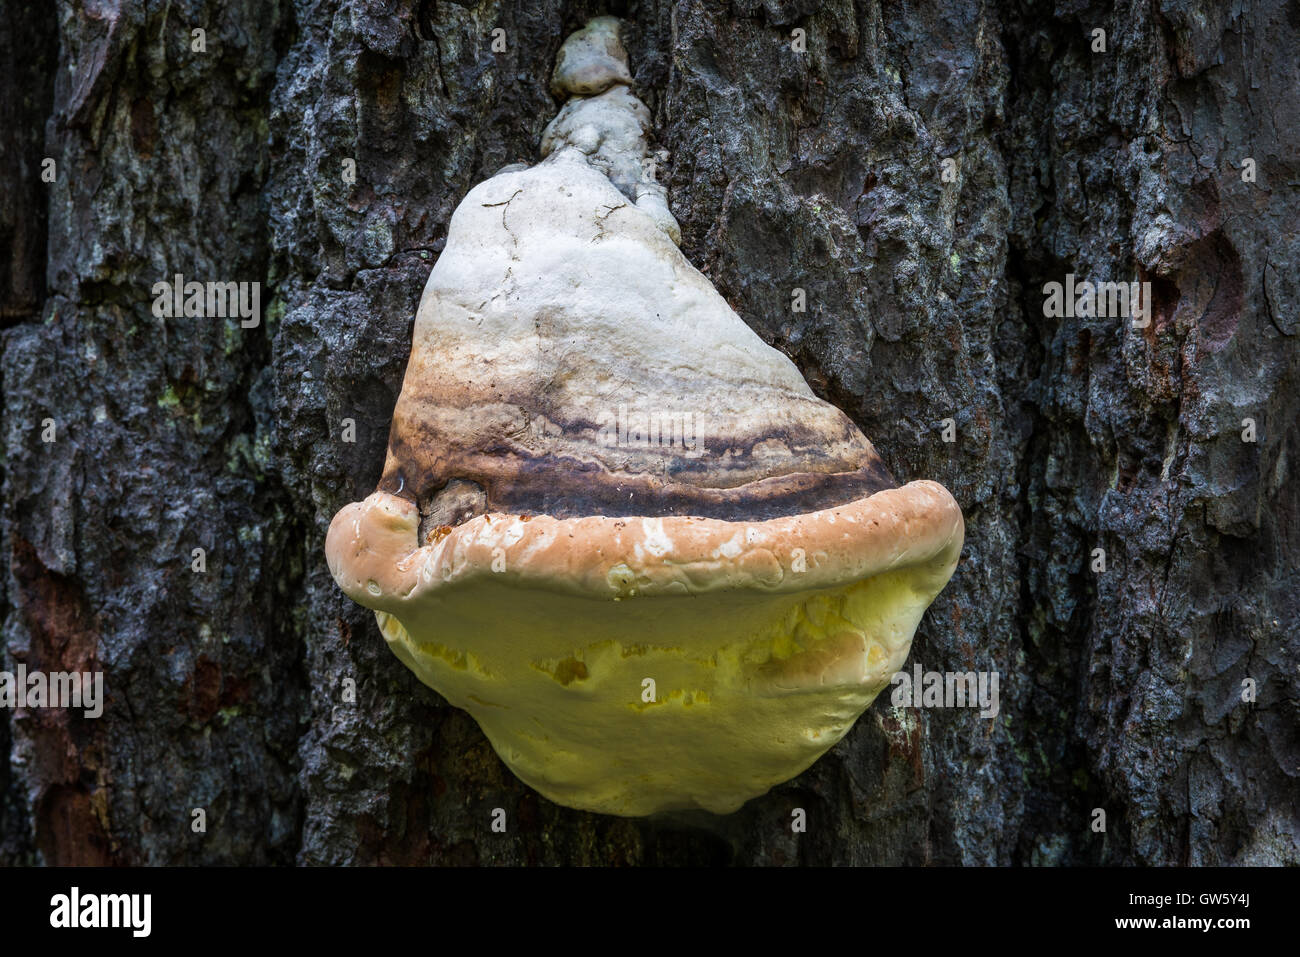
x=614, y=525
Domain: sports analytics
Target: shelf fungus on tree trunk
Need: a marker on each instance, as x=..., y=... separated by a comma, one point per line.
x=614, y=525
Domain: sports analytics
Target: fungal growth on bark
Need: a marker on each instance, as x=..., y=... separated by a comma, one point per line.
x=614, y=525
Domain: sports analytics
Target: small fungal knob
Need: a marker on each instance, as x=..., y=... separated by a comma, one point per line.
x=591, y=60
x=603, y=123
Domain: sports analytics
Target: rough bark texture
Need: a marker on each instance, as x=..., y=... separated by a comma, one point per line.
x=819, y=170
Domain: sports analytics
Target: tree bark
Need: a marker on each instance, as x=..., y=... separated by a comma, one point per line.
x=823, y=170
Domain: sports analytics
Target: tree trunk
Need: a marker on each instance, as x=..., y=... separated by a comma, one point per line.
x=1120, y=690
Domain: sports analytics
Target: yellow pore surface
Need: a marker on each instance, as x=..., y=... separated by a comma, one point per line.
x=648, y=704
